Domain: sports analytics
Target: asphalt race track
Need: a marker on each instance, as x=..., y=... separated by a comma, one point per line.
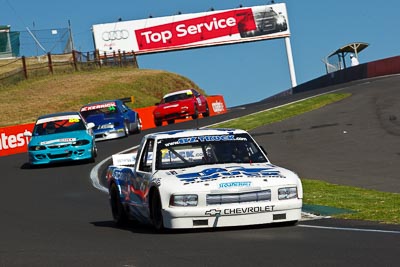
x=53, y=216
x=353, y=142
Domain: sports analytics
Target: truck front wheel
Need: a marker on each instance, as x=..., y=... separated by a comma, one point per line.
x=118, y=211
x=156, y=214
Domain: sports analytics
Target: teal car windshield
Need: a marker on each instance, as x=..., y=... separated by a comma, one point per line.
x=58, y=126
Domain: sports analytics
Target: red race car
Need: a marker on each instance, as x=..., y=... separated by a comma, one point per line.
x=180, y=104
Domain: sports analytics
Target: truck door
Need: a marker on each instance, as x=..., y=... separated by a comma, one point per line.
x=144, y=173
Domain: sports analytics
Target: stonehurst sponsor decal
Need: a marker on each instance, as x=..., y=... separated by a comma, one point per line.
x=199, y=29
x=234, y=184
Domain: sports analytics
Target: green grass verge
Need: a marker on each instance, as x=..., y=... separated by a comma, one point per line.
x=361, y=204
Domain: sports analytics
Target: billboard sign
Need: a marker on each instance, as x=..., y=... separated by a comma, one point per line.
x=185, y=31
x=13, y=139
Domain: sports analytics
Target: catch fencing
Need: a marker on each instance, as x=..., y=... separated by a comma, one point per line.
x=13, y=70
x=34, y=42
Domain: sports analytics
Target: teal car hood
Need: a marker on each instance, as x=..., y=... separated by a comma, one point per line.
x=60, y=138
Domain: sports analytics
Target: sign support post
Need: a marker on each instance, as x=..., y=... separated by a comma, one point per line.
x=290, y=62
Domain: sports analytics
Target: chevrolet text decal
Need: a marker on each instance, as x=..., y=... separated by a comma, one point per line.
x=194, y=30
x=215, y=173
x=238, y=211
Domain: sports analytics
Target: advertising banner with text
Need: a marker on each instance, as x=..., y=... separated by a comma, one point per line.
x=185, y=31
x=12, y=139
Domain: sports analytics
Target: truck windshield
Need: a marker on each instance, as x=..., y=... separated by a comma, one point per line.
x=173, y=153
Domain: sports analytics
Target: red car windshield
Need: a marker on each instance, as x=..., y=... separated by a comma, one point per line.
x=176, y=97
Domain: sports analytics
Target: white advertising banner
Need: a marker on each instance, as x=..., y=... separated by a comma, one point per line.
x=193, y=30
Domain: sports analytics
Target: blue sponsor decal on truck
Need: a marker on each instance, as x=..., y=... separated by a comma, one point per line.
x=234, y=184
x=214, y=173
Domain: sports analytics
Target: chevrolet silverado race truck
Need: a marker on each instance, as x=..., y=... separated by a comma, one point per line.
x=201, y=178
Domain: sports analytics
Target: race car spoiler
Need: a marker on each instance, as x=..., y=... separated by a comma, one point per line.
x=128, y=99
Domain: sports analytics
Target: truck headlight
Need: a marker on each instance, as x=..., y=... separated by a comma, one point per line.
x=287, y=193
x=183, y=200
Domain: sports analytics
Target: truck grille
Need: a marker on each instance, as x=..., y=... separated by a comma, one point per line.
x=218, y=199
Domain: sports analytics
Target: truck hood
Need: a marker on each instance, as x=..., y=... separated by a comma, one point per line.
x=232, y=177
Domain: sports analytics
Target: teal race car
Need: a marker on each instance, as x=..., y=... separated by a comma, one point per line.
x=61, y=137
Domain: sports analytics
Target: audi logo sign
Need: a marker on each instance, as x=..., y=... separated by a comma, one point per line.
x=185, y=31
x=115, y=35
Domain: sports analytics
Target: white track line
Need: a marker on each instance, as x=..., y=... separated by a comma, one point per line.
x=349, y=229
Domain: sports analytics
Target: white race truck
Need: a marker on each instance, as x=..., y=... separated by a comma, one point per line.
x=201, y=178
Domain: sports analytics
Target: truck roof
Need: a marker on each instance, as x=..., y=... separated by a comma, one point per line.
x=194, y=132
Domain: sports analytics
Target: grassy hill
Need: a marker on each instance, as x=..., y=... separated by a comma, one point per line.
x=25, y=101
